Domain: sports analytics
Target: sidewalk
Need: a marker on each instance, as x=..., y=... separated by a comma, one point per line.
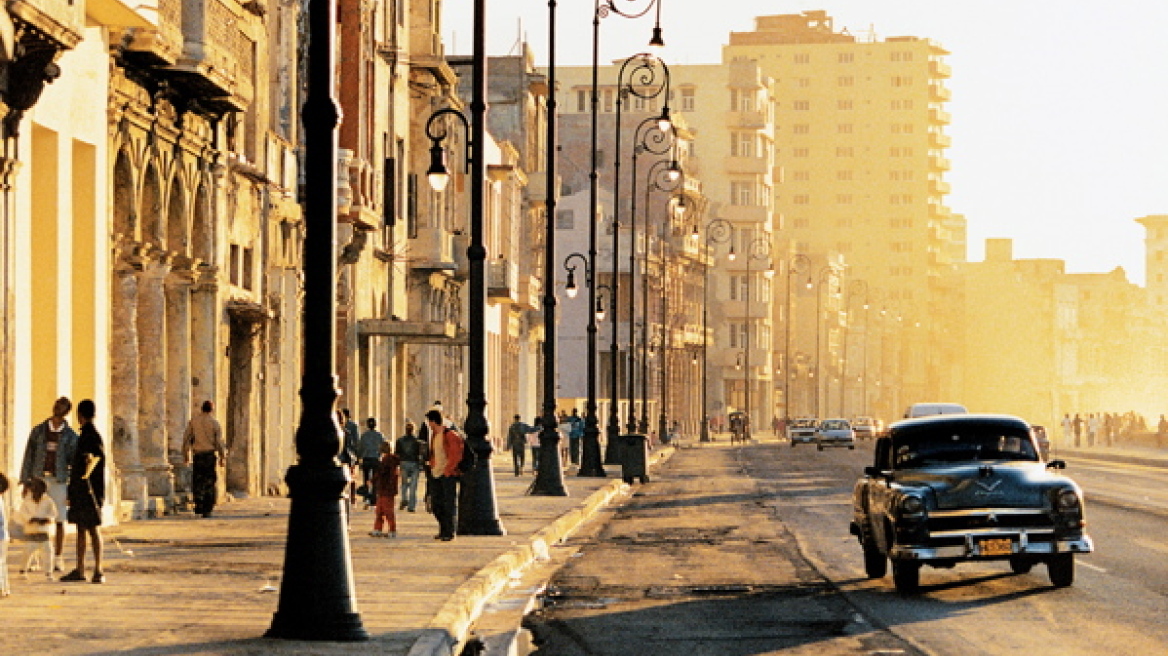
x=188, y=585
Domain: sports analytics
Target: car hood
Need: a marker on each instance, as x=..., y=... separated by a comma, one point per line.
x=1021, y=485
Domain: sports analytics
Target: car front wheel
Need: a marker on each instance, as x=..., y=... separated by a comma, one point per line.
x=906, y=574
x=1020, y=565
x=1061, y=569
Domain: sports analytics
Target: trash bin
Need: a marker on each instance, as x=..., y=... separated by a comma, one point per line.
x=634, y=458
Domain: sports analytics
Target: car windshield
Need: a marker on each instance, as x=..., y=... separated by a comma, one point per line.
x=834, y=424
x=948, y=444
x=803, y=423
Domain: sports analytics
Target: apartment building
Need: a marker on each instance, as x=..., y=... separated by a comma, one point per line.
x=859, y=133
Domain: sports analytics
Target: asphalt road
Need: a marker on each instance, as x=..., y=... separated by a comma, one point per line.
x=745, y=550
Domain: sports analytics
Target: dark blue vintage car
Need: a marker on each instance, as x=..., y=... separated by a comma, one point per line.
x=953, y=488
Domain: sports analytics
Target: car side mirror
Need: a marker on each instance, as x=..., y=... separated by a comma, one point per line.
x=1056, y=464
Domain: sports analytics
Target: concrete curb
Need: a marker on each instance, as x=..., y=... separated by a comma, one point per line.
x=448, y=630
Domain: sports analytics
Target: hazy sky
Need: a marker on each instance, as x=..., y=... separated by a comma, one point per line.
x=1060, y=107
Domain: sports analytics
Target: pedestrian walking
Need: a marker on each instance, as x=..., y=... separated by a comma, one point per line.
x=205, y=452
x=517, y=442
x=86, y=493
x=348, y=455
x=385, y=483
x=445, y=454
x=575, y=436
x=48, y=455
x=1077, y=423
x=411, y=450
x=1161, y=432
x=1092, y=428
x=1068, y=425
x=36, y=514
x=369, y=454
x=5, y=590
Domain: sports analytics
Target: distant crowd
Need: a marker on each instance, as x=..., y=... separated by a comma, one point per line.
x=1104, y=429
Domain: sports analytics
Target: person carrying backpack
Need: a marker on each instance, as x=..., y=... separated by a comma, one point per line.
x=446, y=448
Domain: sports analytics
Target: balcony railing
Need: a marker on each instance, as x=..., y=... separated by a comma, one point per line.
x=502, y=280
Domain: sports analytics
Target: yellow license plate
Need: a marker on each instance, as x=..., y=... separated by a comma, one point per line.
x=996, y=547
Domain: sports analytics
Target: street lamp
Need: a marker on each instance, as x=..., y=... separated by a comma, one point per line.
x=317, y=594
x=646, y=77
x=655, y=136
x=679, y=210
x=855, y=288
x=590, y=460
x=827, y=273
x=718, y=231
x=799, y=263
x=758, y=249
x=603, y=9
x=477, y=511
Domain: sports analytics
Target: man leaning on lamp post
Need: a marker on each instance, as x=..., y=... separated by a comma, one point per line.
x=203, y=447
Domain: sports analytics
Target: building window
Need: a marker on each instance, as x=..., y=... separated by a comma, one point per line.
x=902, y=56
x=844, y=222
x=902, y=80
x=801, y=199
x=802, y=222
x=844, y=128
x=802, y=152
x=846, y=81
x=900, y=247
x=845, y=151
x=742, y=144
x=803, y=82
x=902, y=104
x=900, y=199
x=801, y=128
x=801, y=176
x=741, y=192
x=235, y=263
x=802, y=58
x=844, y=105
x=843, y=199
x=608, y=96
x=247, y=268
x=565, y=220
x=688, y=99
x=801, y=105
x=847, y=57
x=581, y=101
x=844, y=175
x=900, y=222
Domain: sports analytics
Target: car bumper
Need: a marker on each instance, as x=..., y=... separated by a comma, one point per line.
x=836, y=442
x=802, y=439
x=1021, y=544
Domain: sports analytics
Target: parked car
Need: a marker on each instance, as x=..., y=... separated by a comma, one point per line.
x=955, y=488
x=865, y=428
x=929, y=409
x=801, y=431
x=834, y=432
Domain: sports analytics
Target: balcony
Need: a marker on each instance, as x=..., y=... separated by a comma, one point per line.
x=938, y=187
x=217, y=58
x=939, y=92
x=433, y=250
x=161, y=45
x=537, y=194
x=60, y=22
x=939, y=140
x=529, y=294
x=939, y=116
x=738, y=214
x=748, y=165
x=756, y=309
x=939, y=69
x=938, y=163
x=746, y=120
x=502, y=281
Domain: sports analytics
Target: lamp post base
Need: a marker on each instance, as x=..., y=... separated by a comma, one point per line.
x=317, y=596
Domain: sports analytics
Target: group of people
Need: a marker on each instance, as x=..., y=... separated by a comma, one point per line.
x=1100, y=428
x=62, y=477
x=387, y=468
x=522, y=436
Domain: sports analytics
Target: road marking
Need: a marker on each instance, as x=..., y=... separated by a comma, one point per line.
x=1094, y=567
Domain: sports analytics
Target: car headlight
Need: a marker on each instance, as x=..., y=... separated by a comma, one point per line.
x=912, y=505
x=1067, y=500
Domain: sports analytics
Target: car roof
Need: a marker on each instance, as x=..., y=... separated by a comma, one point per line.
x=958, y=420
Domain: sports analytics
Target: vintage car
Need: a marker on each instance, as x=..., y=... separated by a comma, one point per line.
x=801, y=431
x=834, y=432
x=865, y=428
x=953, y=488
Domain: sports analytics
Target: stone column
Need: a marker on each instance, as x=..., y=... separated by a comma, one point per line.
x=206, y=347
x=152, y=383
x=179, y=406
x=124, y=386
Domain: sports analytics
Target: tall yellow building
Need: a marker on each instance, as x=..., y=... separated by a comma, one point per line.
x=860, y=137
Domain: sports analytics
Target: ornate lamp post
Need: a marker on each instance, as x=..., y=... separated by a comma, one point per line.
x=590, y=460
x=855, y=288
x=718, y=231
x=603, y=9
x=758, y=249
x=798, y=264
x=477, y=513
x=317, y=595
x=827, y=273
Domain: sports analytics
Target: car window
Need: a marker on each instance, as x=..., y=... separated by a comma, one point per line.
x=948, y=444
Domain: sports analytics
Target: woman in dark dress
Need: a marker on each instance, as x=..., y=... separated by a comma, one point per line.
x=86, y=493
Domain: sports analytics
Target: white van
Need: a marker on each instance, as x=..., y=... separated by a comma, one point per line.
x=927, y=409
